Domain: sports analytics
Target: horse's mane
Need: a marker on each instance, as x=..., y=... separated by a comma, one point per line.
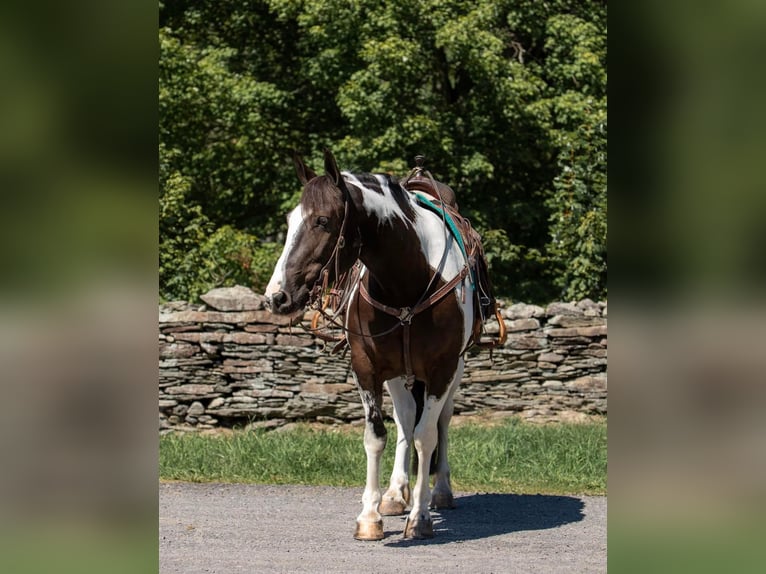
x=372, y=182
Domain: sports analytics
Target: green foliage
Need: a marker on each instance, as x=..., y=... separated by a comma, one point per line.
x=506, y=98
x=195, y=256
x=579, y=210
x=510, y=457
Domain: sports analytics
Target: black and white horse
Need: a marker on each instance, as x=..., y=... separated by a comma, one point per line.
x=409, y=319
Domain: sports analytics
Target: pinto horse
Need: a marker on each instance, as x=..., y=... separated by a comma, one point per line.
x=408, y=320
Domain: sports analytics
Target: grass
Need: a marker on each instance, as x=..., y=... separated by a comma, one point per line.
x=512, y=456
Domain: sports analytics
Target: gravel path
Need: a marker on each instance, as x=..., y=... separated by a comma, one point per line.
x=229, y=528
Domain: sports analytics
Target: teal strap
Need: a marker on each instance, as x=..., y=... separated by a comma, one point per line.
x=427, y=203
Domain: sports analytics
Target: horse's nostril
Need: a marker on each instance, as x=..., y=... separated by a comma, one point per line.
x=279, y=298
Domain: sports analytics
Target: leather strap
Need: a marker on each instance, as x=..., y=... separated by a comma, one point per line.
x=405, y=315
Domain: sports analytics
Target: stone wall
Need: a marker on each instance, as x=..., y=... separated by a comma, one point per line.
x=231, y=362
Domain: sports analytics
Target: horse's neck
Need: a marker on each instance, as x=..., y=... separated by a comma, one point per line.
x=389, y=253
x=398, y=270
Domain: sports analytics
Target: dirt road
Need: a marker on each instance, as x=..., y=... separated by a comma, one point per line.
x=222, y=528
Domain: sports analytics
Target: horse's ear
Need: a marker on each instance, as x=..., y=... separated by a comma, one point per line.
x=332, y=170
x=331, y=167
x=305, y=173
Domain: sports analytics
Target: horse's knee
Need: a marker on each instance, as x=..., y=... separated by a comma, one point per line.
x=375, y=437
x=425, y=439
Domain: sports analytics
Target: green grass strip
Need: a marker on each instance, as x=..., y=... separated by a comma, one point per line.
x=512, y=457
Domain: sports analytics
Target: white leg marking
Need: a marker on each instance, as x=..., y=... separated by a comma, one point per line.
x=397, y=497
x=369, y=525
x=442, y=497
x=373, y=446
x=419, y=524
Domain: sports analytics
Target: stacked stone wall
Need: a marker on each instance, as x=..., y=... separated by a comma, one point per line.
x=230, y=362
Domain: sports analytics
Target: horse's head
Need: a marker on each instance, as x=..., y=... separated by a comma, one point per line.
x=322, y=236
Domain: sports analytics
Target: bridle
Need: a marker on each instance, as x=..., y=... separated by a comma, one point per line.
x=322, y=282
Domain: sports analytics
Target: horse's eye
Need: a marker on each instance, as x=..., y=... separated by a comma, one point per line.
x=322, y=221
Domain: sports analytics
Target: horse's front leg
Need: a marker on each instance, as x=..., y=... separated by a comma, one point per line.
x=369, y=524
x=397, y=497
x=419, y=523
x=442, y=496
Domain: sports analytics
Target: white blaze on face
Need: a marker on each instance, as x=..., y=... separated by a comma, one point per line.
x=294, y=222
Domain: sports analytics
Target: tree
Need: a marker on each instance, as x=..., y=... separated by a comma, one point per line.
x=506, y=98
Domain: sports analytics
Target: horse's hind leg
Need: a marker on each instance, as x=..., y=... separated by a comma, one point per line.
x=369, y=524
x=397, y=497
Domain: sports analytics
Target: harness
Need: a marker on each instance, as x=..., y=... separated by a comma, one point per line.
x=405, y=315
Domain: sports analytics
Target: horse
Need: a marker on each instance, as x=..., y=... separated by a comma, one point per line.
x=409, y=318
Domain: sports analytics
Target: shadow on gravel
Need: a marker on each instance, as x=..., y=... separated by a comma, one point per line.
x=485, y=515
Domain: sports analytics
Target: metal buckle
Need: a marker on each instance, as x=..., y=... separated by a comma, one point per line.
x=405, y=315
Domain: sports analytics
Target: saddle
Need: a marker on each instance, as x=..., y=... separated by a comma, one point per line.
x=421, y=180
x=485, y=305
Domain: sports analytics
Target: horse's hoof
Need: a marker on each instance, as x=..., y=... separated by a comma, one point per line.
x=390, y=506
x=369, y=530
x=418, y=529
x=442, y=500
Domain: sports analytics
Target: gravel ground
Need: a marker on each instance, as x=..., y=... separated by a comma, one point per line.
x=229, y=528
